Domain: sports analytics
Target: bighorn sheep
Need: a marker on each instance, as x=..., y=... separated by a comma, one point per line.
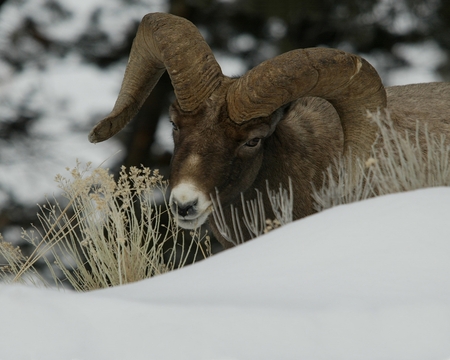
x=290, y=116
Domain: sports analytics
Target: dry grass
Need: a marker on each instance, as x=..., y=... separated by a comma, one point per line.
x=12, y=263
x=110, y=233
x=399, y=162
x=253, y=214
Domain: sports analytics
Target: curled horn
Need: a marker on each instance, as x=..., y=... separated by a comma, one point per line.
x=163, y=42
x=347, y=81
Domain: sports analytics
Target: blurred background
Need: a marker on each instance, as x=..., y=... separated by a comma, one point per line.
x=62, y=62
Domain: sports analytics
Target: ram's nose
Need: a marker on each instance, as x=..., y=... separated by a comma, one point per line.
x=184, y=209
x=190, y=206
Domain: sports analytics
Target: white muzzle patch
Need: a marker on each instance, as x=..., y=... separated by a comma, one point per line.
x=190, y=206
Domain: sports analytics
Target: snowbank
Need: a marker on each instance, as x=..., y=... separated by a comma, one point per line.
x=369, y=280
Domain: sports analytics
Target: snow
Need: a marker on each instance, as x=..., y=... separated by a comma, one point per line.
x=369, y=280
x=422, y=60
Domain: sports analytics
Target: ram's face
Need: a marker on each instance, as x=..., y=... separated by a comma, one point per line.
x=212, y=153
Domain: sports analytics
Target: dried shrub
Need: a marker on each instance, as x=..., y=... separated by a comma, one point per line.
x=253, y=214
x=111, y=232
x=400, y=161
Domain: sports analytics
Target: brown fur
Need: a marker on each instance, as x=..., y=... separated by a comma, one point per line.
x=427, y=103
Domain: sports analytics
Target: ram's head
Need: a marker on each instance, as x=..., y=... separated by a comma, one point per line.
x=222, y=126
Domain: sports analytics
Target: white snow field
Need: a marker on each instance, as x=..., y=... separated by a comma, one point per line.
x=369, y=280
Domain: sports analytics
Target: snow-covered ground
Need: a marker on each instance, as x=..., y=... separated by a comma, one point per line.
x=370, y=280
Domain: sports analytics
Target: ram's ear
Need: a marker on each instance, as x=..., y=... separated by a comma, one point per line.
x=277, y=116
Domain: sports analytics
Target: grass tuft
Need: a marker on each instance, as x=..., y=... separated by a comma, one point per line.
x=254, y=215
x=400, y=161
x=110, y=232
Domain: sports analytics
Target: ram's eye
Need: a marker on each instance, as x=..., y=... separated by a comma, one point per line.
x=253, y=142
x=174, y=126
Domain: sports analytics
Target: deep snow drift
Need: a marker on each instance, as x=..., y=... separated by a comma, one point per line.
x=369, y=280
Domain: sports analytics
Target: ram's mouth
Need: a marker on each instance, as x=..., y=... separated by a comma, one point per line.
x=190, y=206
x=192, y=222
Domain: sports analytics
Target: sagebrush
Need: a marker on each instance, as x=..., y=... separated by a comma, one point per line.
x=400, y=161
x=109, y=233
